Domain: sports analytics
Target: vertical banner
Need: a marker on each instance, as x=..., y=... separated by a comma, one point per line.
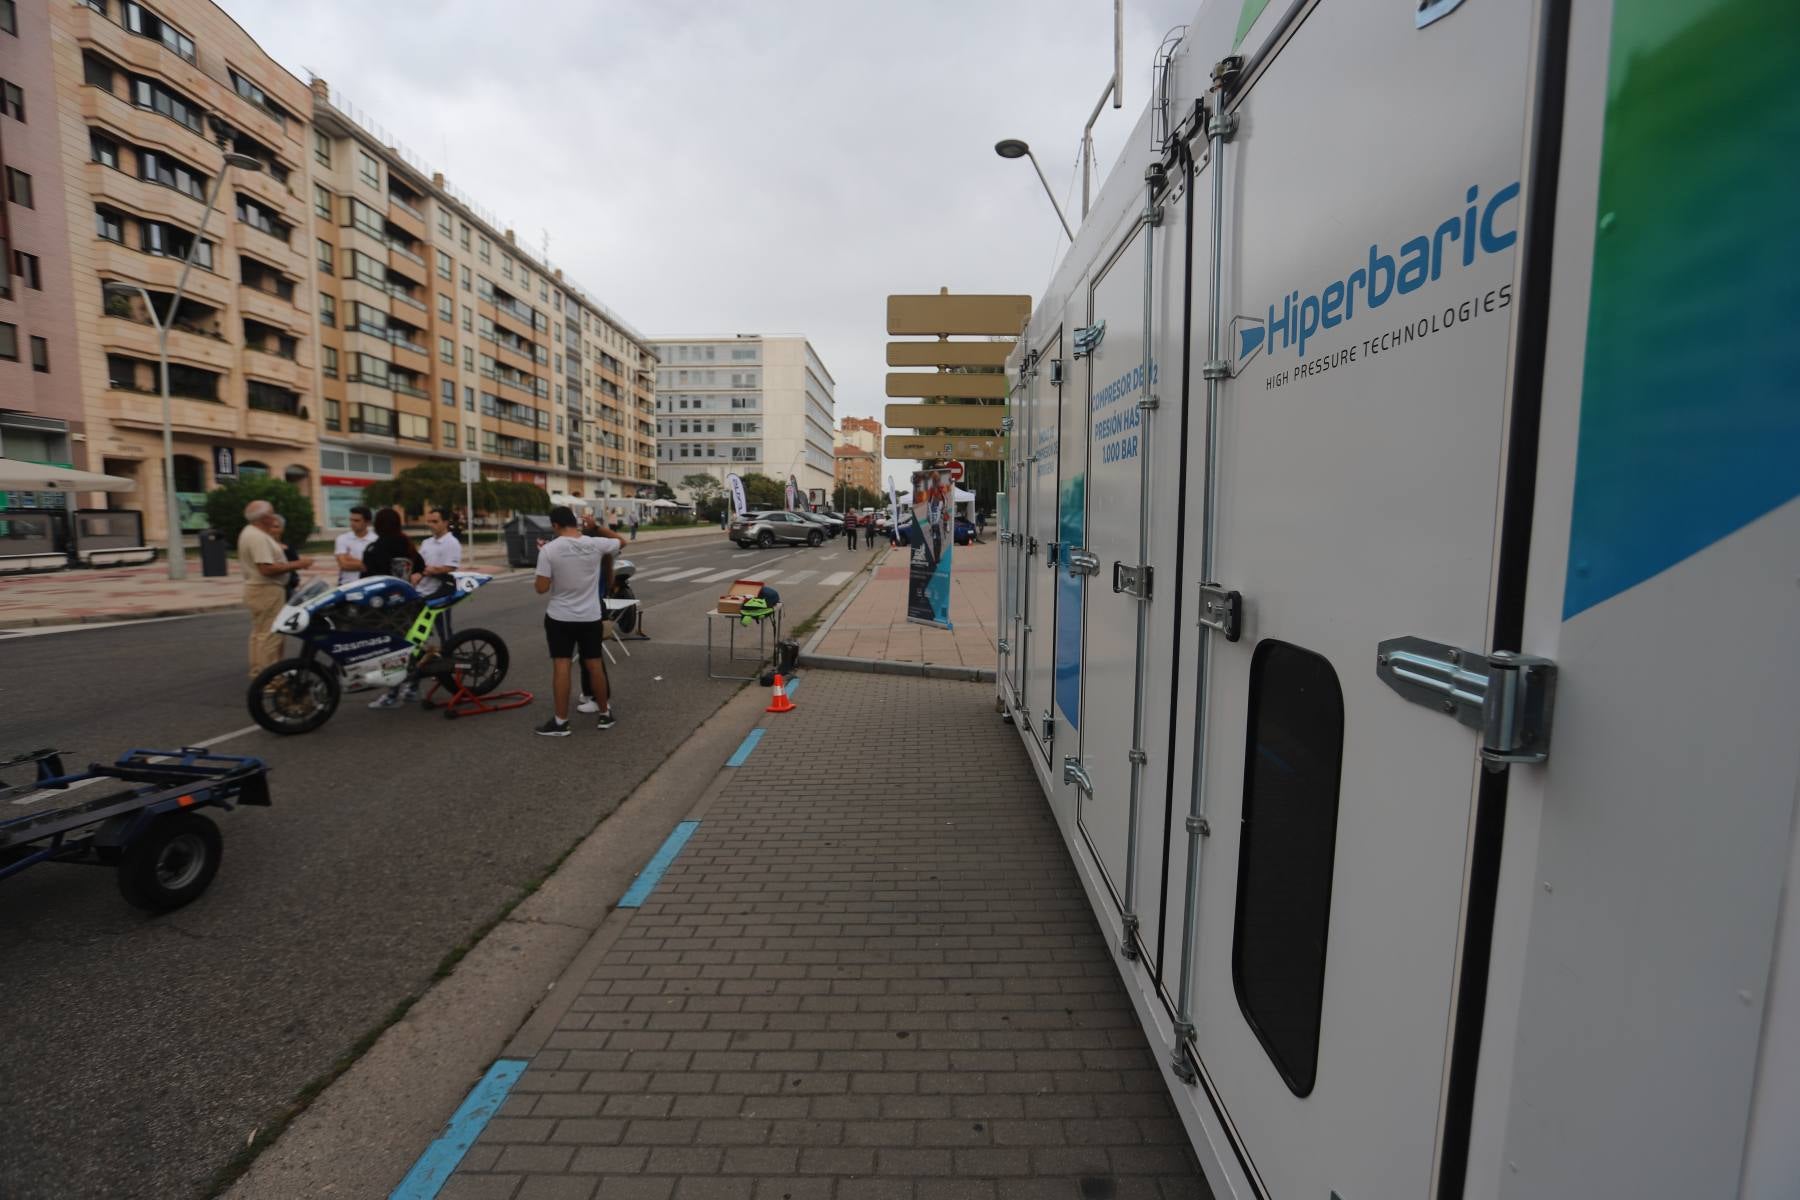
x=894, y=503
x=793, y=493
x=932, y=538
x=735, y=484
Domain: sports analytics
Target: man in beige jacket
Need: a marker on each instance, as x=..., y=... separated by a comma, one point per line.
x=266, y=566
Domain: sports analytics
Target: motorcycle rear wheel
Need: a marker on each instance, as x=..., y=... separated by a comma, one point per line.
x=296, y=695
x=481, y=658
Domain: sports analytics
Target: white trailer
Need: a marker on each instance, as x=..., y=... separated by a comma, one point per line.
x=1400, y=609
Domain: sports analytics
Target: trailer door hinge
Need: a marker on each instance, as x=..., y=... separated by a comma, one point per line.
x=1507, y=698
x=1133, y=581
x=1048, y=724
x=1083, y=561
x=1005, y=646
x=1222, y=610
x=1030, y=546
x=1075, y=773
x=1088, y=338
x=1006, y=424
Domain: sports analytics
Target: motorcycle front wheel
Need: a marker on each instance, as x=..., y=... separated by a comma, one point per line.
x=296, y=695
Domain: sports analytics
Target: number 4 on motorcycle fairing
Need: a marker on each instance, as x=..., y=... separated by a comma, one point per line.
x=370, y=632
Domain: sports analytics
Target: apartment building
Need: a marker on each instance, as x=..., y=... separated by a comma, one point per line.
x=41, y=417
x=148, y=103
x=856, y=467
x=442, y=337
x=745, y=403
x=862, y=432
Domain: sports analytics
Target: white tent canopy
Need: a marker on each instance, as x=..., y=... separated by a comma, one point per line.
x=17, y=476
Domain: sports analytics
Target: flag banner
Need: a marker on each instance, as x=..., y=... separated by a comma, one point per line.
x=932, y=539
x=735, y=484
x=793, y=493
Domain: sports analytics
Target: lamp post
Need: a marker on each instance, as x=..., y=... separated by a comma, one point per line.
x=171, y=512
x=1014, y=148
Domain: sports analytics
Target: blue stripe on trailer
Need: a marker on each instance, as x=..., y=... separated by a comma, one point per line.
x=652, y=874
x=742, y=753
x=433, y=1169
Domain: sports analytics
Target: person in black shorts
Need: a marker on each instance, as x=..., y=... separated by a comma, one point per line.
x=569, y=569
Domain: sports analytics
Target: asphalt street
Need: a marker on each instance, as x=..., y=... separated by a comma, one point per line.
x=142, y=1053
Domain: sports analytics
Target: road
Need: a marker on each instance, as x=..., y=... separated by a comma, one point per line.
x=141, y=1053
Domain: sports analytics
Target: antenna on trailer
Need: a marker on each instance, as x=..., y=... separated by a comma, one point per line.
x=1115, y=90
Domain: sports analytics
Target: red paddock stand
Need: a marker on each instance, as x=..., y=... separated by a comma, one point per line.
x=464, y=703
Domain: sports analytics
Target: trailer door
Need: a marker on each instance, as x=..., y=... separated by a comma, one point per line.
x=1371, y=212
x=1013, y=524
x=1040, y=531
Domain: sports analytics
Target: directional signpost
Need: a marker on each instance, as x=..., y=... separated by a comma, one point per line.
x=966, y=371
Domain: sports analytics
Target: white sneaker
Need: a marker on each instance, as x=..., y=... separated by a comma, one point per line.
x=387, y=700
x=587, y=705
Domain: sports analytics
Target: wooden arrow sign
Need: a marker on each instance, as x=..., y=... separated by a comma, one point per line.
x=944, y=314
x=981, y=418
x=932, y=447
x=935, y=384
x=948, y=354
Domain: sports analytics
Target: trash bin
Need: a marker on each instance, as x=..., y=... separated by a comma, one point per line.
x=214, y=556
x=523, y=532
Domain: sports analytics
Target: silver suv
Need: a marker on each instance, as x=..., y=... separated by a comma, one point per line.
x=769, y=528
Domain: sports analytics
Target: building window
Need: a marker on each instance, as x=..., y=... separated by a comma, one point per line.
x=450, y=432
x=12, y=100
x=447, y=389
x=447, y=351
x=9, y=17
x=26, y=267
x=9, y=341
x=468, y=319
x=326, y=254
x=258, y=97
x=105, y=151
x=334, y=420
x=469, y=437
x=1292, y=764
x=469, y=404
x=321, y=201
x=415, y=428
x=18, y=187
x=462, y=235
x=328, y=310
x=368, y=168
x=145, y=23
x=468, y=358
x=146, y=93
x=486, y=251
x=171, y=241
x=443, y=265
x=157, y=167
x=465, y=279
x=506, y=266
x=328, y=359
x=446, y=308
x=109, y=225
x=321, y=147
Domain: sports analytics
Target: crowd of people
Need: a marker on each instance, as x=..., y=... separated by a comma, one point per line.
x=574, y=569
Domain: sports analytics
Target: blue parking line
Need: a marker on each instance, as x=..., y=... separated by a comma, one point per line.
x=789, y=685
x=434, y=1167
x=652, y=874
x=742, y=753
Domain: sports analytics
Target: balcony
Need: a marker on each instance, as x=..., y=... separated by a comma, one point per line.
x=265, y=188
x=261, y=244
x=141, y=54
x=143, y=410
x=113, y=261
x=405, y=297
x=397, y=249
x=266, y=306
x=124, y=335
x=279, y=429
x=141, y=198
x=270, y=367
x=410, y=356
x=406, y=218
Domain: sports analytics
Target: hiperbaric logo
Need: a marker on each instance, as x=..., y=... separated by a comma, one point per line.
x=1303, y=318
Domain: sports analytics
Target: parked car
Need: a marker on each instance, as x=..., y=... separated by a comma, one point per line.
x=965, y=531
x=773, y=527
x=829, y=522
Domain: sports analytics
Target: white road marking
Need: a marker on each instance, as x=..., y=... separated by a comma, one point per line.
x=717, y=577
x=76, y=627
x=801, y=576
x=673, y=576
x=837, y=578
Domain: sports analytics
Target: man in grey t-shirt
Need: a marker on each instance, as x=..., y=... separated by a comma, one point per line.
x=569, y=568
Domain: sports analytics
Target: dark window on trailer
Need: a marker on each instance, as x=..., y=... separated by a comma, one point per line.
x=1292, y=763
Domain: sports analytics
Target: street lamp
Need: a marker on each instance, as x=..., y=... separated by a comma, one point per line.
x=171, y=514
x=1014, y=148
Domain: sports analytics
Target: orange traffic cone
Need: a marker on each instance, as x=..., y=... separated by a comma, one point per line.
x=780, y=702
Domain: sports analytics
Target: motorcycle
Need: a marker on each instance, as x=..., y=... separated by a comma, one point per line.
x=370, y=632
x=627, y=618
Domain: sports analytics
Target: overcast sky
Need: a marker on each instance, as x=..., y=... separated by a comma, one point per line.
x=730, y=167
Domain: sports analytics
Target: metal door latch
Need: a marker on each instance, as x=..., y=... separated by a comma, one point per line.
x=1083, y=561
x=1056, y=372
x=1006, y=424
x=1088, y=339
x=1005, y=646
x=1031, y=545
x=1222, y=610
x=1133, y=581
x=1507, y=698
x=1053, y=554
x=1075, y=773
x=1048, y=724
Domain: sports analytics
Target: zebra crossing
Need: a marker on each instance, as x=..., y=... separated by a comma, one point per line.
x=708, y=574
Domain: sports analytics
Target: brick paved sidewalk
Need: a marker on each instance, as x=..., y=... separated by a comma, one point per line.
x=874, y=626
x=850, y=986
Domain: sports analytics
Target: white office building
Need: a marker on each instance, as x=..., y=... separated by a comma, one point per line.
x=745, y=403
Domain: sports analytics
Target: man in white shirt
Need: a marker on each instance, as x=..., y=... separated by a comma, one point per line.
x=569, y=569
x=441, y=551
x=350, y=546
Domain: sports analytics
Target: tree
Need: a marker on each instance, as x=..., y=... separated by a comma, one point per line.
x=439, y=484
x=708, y=494
x=761, y=492
x=664, y=491
x=225, y=507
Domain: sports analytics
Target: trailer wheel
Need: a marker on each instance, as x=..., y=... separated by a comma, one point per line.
x=171, y=862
